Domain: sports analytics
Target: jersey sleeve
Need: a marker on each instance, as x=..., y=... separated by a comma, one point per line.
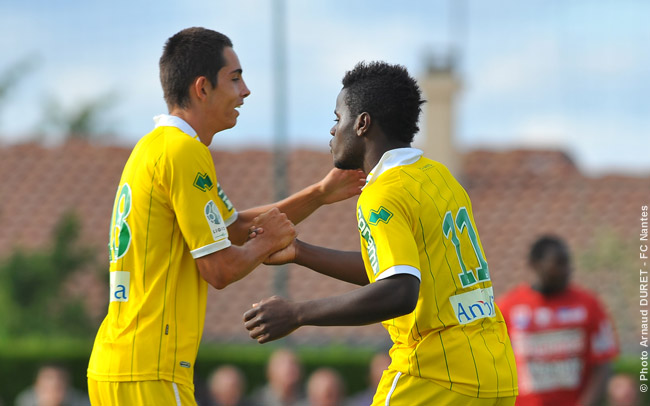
x=202, y=209
x=386, y=236
x=602, y=337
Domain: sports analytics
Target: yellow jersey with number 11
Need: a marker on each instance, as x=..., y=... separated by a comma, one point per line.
x=169, y=210
x=415, y=218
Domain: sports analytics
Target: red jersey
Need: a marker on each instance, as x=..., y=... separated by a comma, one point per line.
x=557, y=340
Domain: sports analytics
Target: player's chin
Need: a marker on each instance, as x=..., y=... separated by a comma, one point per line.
x=345, y=165
x=231, y=123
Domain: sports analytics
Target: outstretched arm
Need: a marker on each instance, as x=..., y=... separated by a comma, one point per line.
x=346, y=266
x=337, y=185
x=275, y=317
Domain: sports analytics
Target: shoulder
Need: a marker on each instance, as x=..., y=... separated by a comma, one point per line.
x=584, y=295
x=177, y=142
x=516, y=294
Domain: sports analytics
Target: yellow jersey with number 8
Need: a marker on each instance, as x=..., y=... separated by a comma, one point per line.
x=415, y=218
x=169, y=210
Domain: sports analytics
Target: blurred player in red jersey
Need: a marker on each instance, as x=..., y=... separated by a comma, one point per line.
x=563, y=340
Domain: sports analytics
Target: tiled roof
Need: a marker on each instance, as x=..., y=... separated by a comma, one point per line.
x=516, y=196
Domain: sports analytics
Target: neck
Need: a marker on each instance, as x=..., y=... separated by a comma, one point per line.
x=193, y=118
x=547, y=290
x=376, y=150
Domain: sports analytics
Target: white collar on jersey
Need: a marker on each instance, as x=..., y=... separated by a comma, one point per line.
x=166, y=120
x=391, y=159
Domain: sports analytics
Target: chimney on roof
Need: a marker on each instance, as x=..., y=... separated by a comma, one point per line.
x=440, y=86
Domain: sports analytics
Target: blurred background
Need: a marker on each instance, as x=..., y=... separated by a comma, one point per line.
x=540, y=108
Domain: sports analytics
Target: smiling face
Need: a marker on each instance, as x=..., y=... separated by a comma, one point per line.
x=346, y=145
x=228, y=95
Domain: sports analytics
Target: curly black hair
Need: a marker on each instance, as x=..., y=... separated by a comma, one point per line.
x=389, y=94
x=190, y=53
x=543, y=245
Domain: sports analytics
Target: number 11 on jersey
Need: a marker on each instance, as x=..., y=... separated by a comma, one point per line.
x=449, y=227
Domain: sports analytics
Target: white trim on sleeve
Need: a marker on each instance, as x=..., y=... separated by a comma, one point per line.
x=231, y=219
x=210, y=248
x=398, y=270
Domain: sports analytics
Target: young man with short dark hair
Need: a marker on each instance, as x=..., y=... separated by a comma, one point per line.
x=174, y=230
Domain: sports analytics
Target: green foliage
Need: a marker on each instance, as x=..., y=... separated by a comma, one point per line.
x=33, y=300
x=84, y=121
x=21, y=358
x=351, y=362
x=607, y=250
x=10, y=78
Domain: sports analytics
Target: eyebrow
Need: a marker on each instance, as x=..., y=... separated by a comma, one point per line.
x=237, y=71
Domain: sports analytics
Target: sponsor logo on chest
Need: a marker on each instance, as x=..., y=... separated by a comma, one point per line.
x=364, y=230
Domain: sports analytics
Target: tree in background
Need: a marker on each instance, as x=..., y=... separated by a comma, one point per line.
x=84, y=121
x=33, y=297
x=12, y=76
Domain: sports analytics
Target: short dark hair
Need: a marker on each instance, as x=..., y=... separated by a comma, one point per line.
x=544, y=245
x=388, y=93
x=190, y=53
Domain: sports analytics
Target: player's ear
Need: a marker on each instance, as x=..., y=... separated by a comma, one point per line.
x=362, y=124
x=198, y=88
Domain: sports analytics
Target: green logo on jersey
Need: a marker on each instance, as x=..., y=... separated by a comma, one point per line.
x=224, y=198
x=382, y=215
x=203, y=182
x=120, y=238
x=364, y=230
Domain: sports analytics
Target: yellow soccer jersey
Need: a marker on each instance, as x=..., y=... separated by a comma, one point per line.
x=169, y=209
x=415, y=218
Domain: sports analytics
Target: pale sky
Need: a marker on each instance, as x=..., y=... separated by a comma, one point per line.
x=565, y=74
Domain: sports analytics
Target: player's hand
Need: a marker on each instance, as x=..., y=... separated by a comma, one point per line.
x=341, y=184
x=271, y=319
x=254, y=232
x=277, y=228
x=284, y=256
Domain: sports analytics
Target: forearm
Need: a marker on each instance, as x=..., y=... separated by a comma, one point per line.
x=275, y=317
x=346, y=266
x=228, y=265
x=337, y=185
x=297, y=207
x=594, y=390
x=382, y=300
x=224, y=267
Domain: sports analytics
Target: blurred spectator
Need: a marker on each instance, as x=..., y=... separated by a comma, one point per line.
x=325, y=388
x=284, y=374
x=623, y=390
x=227, y=386
x=378, y=365
x=562, y=338
x=51, y=388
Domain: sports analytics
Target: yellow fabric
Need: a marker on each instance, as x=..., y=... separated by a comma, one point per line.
x=456, y=336
x=145, y=393
x=168, y=211
x=397, y=389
